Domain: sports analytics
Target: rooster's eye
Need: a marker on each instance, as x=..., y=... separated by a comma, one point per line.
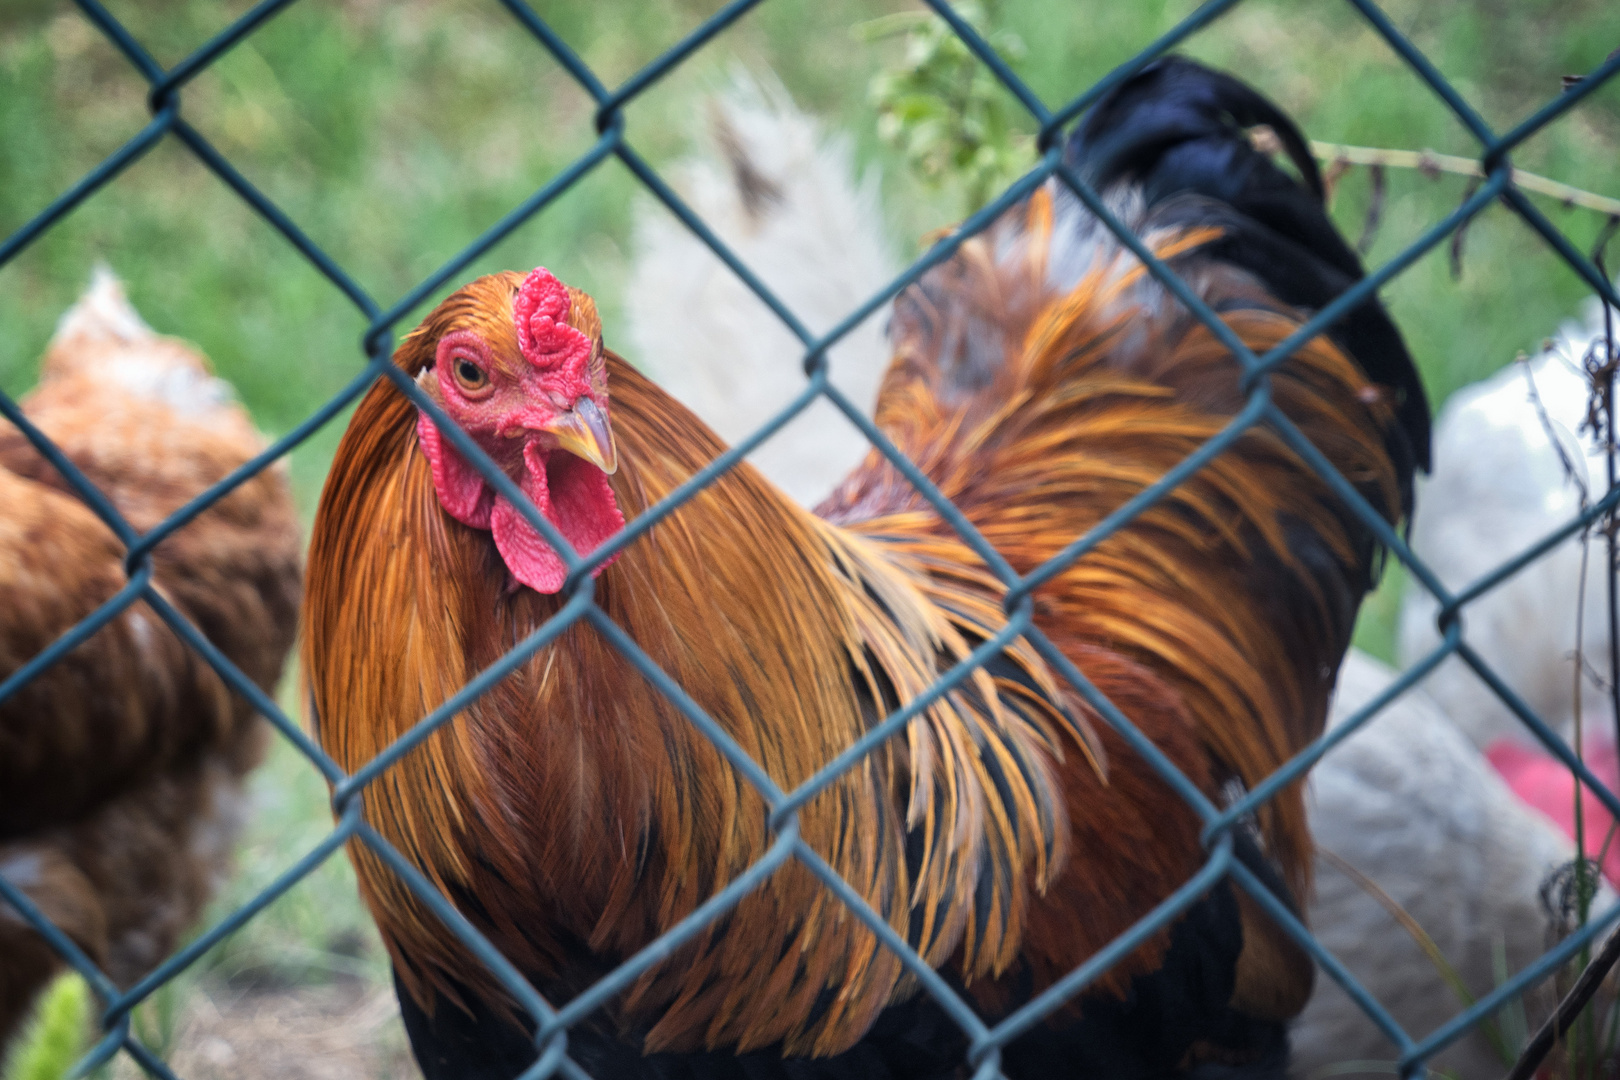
x=469, y=375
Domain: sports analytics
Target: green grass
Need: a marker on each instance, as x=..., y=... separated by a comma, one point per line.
x=393, y=131
x=56, y=1036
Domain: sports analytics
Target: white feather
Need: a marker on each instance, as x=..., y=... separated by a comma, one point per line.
x=1499, y=485
x=815, y=238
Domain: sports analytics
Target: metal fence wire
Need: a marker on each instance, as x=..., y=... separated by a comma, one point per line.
x=552, y=1021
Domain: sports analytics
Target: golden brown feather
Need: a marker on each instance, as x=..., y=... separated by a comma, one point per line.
x=121, y=766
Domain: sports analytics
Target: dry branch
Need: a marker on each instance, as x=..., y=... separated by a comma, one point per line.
x=1429, y=163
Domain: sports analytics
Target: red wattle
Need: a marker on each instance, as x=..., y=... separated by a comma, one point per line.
x=573, y=495
x=524, y=551
x=462, y=491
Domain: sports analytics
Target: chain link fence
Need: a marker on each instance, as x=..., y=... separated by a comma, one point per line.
x=552, y=1020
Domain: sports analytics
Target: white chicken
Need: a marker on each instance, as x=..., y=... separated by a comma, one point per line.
x=1410, y=804
x=782, y=195
x=1506, y=474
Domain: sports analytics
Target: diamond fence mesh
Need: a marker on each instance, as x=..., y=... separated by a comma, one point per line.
x=553, y=1020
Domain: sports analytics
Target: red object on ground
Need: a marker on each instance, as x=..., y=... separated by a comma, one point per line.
x=1546, y=783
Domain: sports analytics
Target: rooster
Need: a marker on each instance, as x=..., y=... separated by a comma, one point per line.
x=1040, y=378
x=122, y=765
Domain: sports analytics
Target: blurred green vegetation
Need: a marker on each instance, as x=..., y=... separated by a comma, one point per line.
x=394, y=131
x=945, y=109
x=56, y=1036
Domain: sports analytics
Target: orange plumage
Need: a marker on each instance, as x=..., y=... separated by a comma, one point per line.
x=1040, y=379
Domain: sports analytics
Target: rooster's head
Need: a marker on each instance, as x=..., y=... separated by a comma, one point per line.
x=519, y=367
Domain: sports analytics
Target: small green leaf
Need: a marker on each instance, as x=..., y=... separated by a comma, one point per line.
x=947, y=112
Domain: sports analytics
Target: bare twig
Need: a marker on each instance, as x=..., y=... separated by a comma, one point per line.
x=1593, y=675
x=1431, y=163
x=1570, y=82
x=1263, y=137
x=1602, y=375
x=1540, y=1044
x=1584, y=871
x=1330, y=178
x=1575, y=476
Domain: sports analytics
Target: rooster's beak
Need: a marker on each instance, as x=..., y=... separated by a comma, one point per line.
x=583, y=431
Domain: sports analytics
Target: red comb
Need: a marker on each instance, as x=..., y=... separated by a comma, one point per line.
x=540, y=311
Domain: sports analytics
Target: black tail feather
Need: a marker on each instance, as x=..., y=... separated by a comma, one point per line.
x=1179, y=129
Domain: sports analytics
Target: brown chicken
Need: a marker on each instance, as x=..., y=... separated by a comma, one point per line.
x=122, y=765
x=1041, y=379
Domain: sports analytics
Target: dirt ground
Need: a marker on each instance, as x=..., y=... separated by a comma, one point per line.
x=346, y=1030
